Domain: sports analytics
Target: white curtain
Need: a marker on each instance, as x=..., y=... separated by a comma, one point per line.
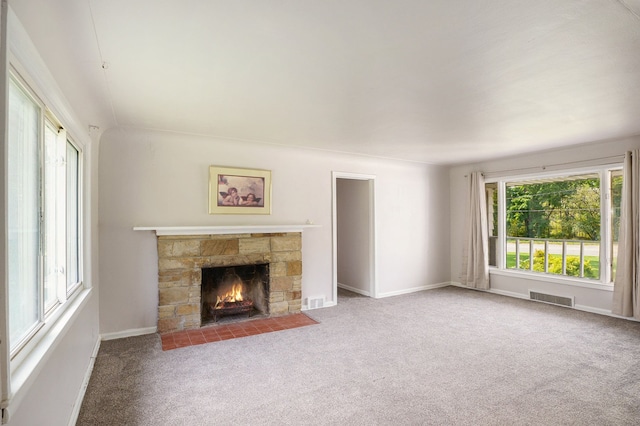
x=475, y=256
x=626, y=290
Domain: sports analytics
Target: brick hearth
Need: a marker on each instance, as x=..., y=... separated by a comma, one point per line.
x=182, y=257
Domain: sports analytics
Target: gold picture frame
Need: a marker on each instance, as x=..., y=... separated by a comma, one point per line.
x=234, y=190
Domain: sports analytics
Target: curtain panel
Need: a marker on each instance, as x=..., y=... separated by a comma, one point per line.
x=475, y=256
x=626, y=289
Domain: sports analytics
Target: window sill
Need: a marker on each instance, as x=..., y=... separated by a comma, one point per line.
x=568, y=281
x=24, y=374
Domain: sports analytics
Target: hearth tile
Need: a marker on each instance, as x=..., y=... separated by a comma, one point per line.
x=212, y=338
x=183, y=344
x=197, y=340
x=216, y=333
x=181, y=339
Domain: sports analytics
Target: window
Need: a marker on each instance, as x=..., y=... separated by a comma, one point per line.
x=43, y=218
x=558, y=224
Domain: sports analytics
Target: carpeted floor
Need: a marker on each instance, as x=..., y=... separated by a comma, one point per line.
x=448, y=356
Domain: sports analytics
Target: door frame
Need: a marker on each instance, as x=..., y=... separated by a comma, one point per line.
x=373, y=276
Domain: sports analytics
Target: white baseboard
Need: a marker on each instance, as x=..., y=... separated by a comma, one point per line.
x=414, y=289
x=128, y=333
x=591, y=309
x=354, y=290
x=85, y=382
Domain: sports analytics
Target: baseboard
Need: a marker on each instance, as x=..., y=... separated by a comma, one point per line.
x=354, y=290
x=414, y=289
x=128, y=333
x=577, y=307
x=85, y=382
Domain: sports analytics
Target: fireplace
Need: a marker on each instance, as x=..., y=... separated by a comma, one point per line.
x=183, y=261
x=234, y=292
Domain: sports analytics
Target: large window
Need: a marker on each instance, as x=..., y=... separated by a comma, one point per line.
x=44, y=169
x=558, y=224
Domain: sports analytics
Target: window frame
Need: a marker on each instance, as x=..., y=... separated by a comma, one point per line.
x=48, y=316
x=606, y=233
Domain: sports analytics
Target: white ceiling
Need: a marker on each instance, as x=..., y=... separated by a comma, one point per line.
x=435, y=81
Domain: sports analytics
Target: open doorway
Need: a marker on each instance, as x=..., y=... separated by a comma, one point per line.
x=354, y=271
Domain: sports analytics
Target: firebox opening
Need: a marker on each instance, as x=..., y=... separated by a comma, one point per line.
x=231, y=293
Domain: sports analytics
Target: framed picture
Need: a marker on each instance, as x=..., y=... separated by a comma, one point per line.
x=239, y=191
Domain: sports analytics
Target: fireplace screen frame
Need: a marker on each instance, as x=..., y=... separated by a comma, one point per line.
x=219, y=292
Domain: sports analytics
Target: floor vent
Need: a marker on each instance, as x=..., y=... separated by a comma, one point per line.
x=315, y=302
x=550, y=298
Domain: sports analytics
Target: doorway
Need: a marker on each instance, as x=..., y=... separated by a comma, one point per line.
x=354, y=249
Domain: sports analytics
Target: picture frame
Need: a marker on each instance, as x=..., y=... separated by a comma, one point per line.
x=235, y=190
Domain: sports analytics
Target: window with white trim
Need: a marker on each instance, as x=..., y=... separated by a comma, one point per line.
x=563, y=224
x=43, y=198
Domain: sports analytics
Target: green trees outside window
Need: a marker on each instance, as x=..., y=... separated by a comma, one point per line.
x=555, y=224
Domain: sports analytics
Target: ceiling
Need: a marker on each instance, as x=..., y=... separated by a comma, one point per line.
x=438, y=81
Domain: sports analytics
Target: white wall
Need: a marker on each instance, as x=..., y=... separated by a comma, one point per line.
x=591, y=299
x=352, y=212
x=52, y=398
x=160, y=179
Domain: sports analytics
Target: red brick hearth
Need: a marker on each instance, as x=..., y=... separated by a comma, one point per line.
x=216, y=333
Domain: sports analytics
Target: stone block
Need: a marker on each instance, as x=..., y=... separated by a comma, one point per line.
x=166, y=312
x=170, y=276
x=227, y=236
x=178, y=248
x=169, y=263
x=221, y=247
x=295, y=307
x=195, y=277
x=254, y=245
x=276, y=296
x=175, y=278
x=191, y=321
x=281, y=283
x=278, y=269
x=173, y=296
x=279, y=308
x=297, y=284
x=179, y=237
x=294, y=268
x=289, y=243
x=286, y=256
x=247, y=259
x=166, y=325
x=293, y=296
x=190, y=309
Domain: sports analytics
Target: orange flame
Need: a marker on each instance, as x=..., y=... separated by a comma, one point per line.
x=233, y=295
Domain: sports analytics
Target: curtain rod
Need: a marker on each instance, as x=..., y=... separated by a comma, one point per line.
x=602, y=161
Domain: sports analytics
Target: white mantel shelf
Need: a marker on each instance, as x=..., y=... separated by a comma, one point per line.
x=218, y=230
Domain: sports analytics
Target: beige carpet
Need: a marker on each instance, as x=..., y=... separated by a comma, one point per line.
x=442, y=357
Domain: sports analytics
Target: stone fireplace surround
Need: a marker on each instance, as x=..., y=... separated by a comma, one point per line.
x=184, y=251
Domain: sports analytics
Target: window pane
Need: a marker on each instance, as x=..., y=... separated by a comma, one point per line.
x=553, y=225
x=616, y=197
x=23, y=214
x=73, y=267
x=491, y=191
x=51, y=262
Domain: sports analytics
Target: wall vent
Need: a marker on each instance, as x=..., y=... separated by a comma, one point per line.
x=550, y=298
x=315, y=302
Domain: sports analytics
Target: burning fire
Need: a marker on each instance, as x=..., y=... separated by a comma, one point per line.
x=232, y=296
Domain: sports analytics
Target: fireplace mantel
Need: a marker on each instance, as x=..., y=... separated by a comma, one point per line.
x=224, y=229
